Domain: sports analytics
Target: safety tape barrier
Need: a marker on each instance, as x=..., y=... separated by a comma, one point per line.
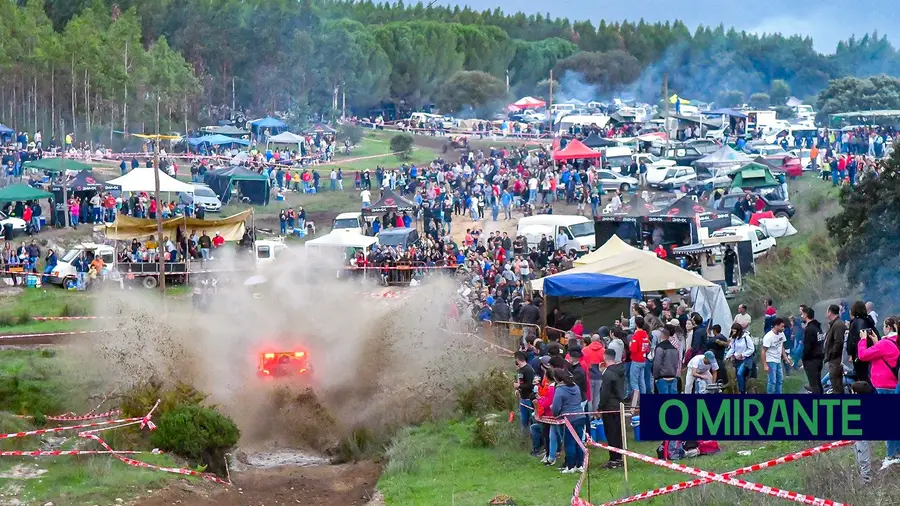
x=559, y=420
x=54, y=318
x=496, y=347
x=693, y=471
x=145, y=423
x=52, y=334
x=72, y=417
x=737, y=472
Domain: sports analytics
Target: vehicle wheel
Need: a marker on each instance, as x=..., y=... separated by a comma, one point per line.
x=625, y=187
x=150, y=282
x=70, y=283
x=781, y=214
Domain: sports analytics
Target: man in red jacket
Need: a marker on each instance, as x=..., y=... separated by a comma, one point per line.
x=593, y=356
x=640, y=345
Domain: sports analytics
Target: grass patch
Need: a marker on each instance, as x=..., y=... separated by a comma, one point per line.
x=438, y=464
x=30, y=383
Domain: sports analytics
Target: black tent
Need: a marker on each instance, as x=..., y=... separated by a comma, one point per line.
x=85, y=181
x=595, y=141
x=253, y=185
x=389, y=201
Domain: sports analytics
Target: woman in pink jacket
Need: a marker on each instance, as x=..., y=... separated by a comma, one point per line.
x=883, y=356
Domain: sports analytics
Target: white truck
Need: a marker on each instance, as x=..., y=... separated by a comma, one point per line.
x=579, y=230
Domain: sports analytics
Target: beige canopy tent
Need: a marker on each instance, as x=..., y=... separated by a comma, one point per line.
x=619, y=259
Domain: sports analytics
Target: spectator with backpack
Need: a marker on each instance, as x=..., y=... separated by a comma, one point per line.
x=813, y=349
x=665, y=364
x=884, y=358
x=741, y=350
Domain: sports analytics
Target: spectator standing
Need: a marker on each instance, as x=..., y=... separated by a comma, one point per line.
x=639, y=347
x=612, y=394
x=859, y=324
x=567, y=401
x=665, y=364
x=883, y=356
x=813, y=351
x=775, y=354
x=743, y=318
x=524, y=389
x=834, y=348
x=741, y=350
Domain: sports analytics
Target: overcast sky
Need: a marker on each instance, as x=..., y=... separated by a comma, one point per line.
x=826, y=21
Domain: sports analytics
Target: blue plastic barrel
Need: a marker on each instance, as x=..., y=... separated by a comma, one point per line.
x=598, y=433
x=636, y=426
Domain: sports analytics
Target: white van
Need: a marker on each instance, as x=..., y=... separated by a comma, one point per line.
x=578, y=229
x=617, y=157
x=562, y=107
x=759, y=239
x=350, y=222
x=65, y=274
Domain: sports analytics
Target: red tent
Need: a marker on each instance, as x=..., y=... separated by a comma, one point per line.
x=576, y=150
x=529, y=102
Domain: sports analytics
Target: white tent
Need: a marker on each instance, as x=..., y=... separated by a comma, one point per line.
x=619, y=259
x=342, y=240
x=142, y=180
x=286, y=138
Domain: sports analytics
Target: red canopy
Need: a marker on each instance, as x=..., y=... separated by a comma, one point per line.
x=529, y=102
x=576, y=150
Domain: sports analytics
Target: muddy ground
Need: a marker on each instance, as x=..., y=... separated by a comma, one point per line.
x=339, y=485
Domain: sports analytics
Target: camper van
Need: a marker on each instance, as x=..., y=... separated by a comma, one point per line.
x=578, y=229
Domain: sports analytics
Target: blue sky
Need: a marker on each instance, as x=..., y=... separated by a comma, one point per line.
x=826, y=21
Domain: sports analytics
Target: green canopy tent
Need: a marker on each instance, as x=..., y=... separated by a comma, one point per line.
x=253, y=185
x=57, y=165
x=22, y=192
x=754, y=175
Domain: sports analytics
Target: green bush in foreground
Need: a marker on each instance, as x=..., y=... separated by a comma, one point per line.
x=488, y=393
x=199, y=433
x=402, y=144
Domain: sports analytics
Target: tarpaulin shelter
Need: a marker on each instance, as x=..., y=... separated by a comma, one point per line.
x=286, y=138
x=127, y=227
x=595, y=141
x=141, y=179
x=272, y=124
x=753, y=175
x=724, y=156
x=217, y=140
x=5, y=131
x=85, y=181
x=54, y=165
x=22, y=192
x=594, y=298
x=529, y=103
x=576, y=150
x=390, y=201
x=253, y=185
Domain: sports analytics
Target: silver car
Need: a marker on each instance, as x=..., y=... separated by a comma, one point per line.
x=205, y=197
x=610, y=181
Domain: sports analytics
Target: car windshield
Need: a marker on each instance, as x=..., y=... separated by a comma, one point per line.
x=346, y=223
x=582, y=229
x=619, y=161
x=71, y=255
x=671, y=173
x=391, y=239
x=202, y=191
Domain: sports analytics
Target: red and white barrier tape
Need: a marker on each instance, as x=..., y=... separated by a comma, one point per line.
x=719, y=478
x=72, y=417
x=60, y=453
x=737, y=472
x=144, y=421
x=54, y=334
x=54, y=318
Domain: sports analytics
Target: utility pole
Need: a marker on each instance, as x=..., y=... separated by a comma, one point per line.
x=65, y=194
x=233, y=101
x=343, y=101
x=160, y=245
x=666, y=104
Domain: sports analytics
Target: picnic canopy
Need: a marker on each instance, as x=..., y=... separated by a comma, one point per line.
x=217, y=140
x=529, y=103
x=591, y=285
x=84, y=181
x=390, y=201
x=753, y=175
x=268, y=122
x=575, y=150
x=22, y=192
x=286, y=138
x=253, y=185
x=617, y=258
x=595, y=141
x=57, y=165
x=141, y=179
x=724, y=156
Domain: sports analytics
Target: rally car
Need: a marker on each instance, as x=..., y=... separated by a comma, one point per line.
x=283, y=364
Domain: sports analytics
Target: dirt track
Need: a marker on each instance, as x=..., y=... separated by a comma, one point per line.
x=342, y=485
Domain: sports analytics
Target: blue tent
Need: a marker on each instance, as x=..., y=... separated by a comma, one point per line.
x=217, y=140
x=5, y=131
x=592, y=285
x=268, y=122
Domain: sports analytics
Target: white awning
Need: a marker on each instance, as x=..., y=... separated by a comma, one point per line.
x=141, y=179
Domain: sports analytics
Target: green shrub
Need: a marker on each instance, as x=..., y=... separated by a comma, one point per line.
x=488, y=393
x=352, y=133
x=815, y=202
x=198, y=433
x=406, y=452
x=32, y=388
x=402, y=144
x=139, y=400
x=361, y=443
x=486, y=432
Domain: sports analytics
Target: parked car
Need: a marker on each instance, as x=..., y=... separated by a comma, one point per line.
x=610, y=181
x=18, y=224
x=760, y=241
x=681, y=154
x=780, y=208
x=203, y=197
x=674, y=178
x=656, y=174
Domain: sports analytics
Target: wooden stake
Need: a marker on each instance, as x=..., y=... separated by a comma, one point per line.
x=624, y=438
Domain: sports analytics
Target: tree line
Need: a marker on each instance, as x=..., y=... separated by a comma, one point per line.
x=104, y=65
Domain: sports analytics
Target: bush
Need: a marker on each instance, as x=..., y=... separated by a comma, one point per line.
x=406, y=452
x=488, y=393
x=486, y=432
x=139, y=400
x=198, y=433
x=402, y=145
x=815, y=202
x=352, y=133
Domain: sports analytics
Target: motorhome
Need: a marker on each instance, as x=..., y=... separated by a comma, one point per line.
x=579, y=230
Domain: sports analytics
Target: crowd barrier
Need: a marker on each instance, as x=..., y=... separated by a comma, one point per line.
x=507, y=332
x=705, y=476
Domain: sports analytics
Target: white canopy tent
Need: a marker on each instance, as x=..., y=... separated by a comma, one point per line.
x=142, y=180
x=342, y=240
x=286, y=138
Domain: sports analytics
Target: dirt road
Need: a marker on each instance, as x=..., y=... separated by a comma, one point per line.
x=344, y=485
